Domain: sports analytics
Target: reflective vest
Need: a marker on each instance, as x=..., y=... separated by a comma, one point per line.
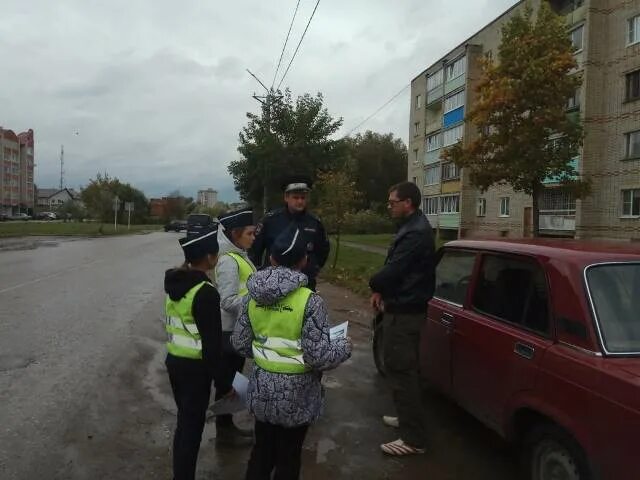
x=277, y=332
x=184, y=338
x=245, y=269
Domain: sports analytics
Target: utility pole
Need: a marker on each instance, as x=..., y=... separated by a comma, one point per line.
x=61, y=167
x=266, y=100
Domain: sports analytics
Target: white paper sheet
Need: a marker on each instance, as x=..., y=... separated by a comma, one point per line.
x=235, y=404
x=339, y=331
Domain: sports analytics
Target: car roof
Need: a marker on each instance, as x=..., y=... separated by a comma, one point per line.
x=582, y=252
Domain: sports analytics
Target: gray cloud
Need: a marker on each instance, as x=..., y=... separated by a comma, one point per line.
x=159, y=93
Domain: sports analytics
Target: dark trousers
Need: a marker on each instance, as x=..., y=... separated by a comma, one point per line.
x=230, y=363
x=401, y=360
x=276, y=448
x=191, y=385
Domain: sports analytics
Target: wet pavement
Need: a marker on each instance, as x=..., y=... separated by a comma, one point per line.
x=85, y=395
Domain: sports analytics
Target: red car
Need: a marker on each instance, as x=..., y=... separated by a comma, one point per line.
x=540, y=340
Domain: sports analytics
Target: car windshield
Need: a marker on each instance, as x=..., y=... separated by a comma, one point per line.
x=199, y=219
x=615, y=292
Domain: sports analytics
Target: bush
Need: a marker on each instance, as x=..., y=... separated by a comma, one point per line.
x=367, y=221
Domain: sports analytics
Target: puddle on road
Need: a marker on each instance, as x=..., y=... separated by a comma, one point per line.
x=12, y=362
x=325, y=445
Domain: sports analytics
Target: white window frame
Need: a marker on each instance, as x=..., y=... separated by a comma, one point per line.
x=628, y=196
x=416, y=159
x=418, y=101
x=432, y=174
x=454, y=101
x=581, y=29
x=505, y=207
x=450, y=171
x=434, y=142
x=416, y=128
x=431, y=205
x=628, y=144
x=435, y=80
x=457, y=69
x=452, y=136
x=574, y=101
x=481, y=207
x=449, y=204
x=627, y=97
x=633, y=30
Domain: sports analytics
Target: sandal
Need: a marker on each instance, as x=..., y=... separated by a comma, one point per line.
x=398, y=448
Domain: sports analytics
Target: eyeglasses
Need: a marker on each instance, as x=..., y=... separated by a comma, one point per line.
x=391, y=203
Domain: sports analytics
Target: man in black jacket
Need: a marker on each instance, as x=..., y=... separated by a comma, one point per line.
x=401, y=289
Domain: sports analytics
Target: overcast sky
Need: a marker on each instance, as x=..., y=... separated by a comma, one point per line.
x=155, y=91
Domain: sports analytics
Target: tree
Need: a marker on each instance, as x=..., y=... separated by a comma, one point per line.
x=380, y=160
x=71, y=209
x=287, y=137
x=99, y=195
x=337, y=196
x=524, y=133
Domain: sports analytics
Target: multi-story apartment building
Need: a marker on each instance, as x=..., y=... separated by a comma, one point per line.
x=16, y=171
x=606, y=34
x=208, y=198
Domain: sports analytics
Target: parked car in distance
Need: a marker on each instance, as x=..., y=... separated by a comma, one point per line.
x=20, y=216
x=540, y=340
x=175, y=226
x=45, y=216
x=198, y=222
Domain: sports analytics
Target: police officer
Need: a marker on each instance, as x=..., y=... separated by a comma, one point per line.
x=296, y=194
x=194, y=347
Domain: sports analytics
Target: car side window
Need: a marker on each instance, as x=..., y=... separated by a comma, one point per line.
x=453, y=275
x=513, y=290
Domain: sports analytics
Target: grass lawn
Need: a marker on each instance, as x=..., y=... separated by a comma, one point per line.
x=353, y=270
x=376, y=240
x=19, y=229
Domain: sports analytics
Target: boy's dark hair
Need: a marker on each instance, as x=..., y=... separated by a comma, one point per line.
x=408, y=190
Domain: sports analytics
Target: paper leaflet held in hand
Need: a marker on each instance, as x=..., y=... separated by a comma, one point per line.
x=339, y=331
x=235, y=403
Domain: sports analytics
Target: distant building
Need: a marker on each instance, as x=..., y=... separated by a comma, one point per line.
x=16, y=171
x=237, y=206
x=52, y=198
x=158, y=207
x=208, y=198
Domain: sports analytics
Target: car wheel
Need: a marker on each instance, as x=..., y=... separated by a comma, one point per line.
x=552, y=454
x=378, y=346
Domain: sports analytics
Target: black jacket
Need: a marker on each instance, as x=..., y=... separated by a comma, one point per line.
x=275, y=222
x=407, y=279
x=206, y=314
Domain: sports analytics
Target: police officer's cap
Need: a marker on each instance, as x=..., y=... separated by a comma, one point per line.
x=198, y=246
x=297, y=183
x=289, y=247
x=238, y=219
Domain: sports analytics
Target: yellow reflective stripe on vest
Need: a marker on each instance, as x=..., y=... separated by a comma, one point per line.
x=245, y=269
x=176, y=323
x=186, y=342
x=262, y=354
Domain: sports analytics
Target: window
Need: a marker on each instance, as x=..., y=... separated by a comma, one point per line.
x=415, y=156
x=452, y=136
x=454, y=101
x=489, y=56
x=576, y=38
x=481, y=207
x=450, y=204
x=631, y=203
x=632, y=141
x=513, y=290
x=415, y=180
x=432, y=174
x=613, y=289
x=450, y=171
x=574, y=102
x=504, y=207
x=457, y=68
x=633, y=85
x=557, y=201
x=434, y=142
x=431, y=205
x=453, y=275
x=418, y=101
x=634, y=30
x=416, y=129
x=435, y=80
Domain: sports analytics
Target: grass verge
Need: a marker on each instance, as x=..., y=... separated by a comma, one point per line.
x=375, y=240
x=20, y=229
x=353, y=270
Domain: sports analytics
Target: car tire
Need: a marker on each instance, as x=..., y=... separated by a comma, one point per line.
x=550, y=453
x=378, y=346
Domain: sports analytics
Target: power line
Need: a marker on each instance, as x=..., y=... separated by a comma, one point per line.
x=378, y=110
x=299, y=43
x=285, y=44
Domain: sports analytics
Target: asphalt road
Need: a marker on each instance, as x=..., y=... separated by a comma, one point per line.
x=84, y=392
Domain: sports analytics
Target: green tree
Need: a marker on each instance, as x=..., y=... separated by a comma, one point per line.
x=99, y=195
x=524, y=133
x=288, y=136
x=337, y=197
x=379, y=160
x=71, y=209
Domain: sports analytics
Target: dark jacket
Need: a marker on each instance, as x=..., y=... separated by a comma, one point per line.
x=206, y=314
x=407, y=279
x=275, y=222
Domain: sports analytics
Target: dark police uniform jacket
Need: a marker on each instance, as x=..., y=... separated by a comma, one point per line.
x=275, y=222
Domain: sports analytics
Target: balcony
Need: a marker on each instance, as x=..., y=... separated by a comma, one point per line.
x=557, y=222
x=449, y=220
x=454, y=84
x=434, y=95
x=575, y=163
x=432, y=156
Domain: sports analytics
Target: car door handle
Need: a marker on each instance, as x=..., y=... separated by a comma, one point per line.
x=447, y=320
x=525, y=351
